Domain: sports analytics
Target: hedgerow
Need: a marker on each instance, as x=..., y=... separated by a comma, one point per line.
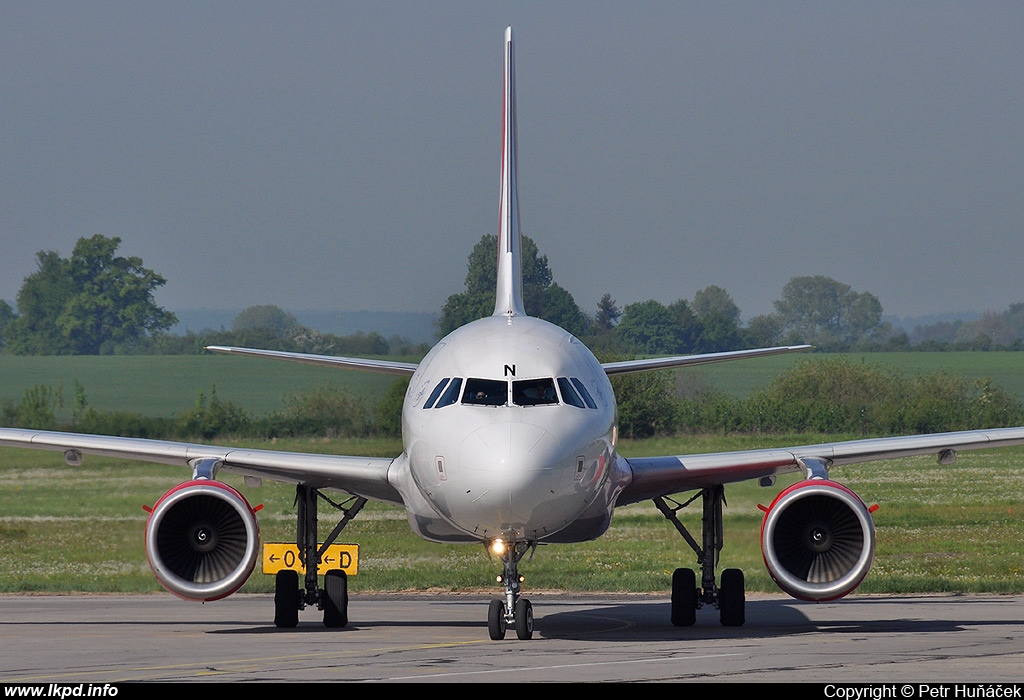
x=827, y=396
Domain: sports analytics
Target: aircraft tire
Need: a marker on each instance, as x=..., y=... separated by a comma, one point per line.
x=335, y=598
x=731, y=599
x=684, y=597
x=496, y=620
x=524, y=619
x=286, y=598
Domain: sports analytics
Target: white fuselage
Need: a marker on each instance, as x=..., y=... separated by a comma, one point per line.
x=509, y=431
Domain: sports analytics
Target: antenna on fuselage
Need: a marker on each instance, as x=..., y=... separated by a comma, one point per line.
x=509, y=297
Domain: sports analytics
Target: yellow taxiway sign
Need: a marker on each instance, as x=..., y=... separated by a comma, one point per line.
x=278, y=556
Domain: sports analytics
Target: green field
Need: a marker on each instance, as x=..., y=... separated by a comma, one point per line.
x=163, y=386
x=1005, y=369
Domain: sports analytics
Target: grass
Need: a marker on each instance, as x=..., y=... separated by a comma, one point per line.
x=957, y=528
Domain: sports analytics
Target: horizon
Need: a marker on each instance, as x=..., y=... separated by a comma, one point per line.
x=389, y=323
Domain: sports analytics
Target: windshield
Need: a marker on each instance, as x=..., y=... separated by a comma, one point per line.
x=534, y=392
x=495, y=392
x=485, y=392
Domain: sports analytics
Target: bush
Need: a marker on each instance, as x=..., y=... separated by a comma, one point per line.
x=124, y=424
x=325, y=411
x=832, y=395
x=646, y=404
x=389, y=414
x=212, y=418
x=36, y=410
x=836, y=395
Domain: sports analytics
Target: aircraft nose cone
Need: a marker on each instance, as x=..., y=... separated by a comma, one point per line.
x=511, y=454
x=510, y=475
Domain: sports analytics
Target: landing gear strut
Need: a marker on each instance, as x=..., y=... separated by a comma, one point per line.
x=511, y=611
x=332, y=599
x=687, y=597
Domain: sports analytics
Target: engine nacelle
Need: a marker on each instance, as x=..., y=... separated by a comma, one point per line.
x=818, y=540
x=202, y=540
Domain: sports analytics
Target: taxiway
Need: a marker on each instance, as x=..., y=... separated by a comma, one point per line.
x=578, y=638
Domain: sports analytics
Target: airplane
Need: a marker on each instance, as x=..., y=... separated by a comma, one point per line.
x=510, y=441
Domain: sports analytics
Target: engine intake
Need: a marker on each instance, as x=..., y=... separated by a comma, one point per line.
x=202, y=540
x=818, y=540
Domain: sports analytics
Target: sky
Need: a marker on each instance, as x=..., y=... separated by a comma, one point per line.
x=345, y=155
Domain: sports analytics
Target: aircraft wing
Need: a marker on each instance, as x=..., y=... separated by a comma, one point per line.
x=646, y=365
x=404, y=369
x=661, y=476
x=360, y=476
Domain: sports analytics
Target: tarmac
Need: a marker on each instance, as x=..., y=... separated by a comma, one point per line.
x=424, y=637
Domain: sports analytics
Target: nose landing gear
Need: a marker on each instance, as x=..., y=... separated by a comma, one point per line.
x=511, y=610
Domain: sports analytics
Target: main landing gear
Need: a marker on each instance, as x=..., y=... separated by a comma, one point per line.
x=687, y=597
x=511, y=611
x=332, y=599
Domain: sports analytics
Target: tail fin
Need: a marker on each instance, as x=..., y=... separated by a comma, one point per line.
x=509, y=299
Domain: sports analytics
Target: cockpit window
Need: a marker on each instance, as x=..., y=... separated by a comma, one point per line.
x=534, y=392
x=584, y=393
x=435, y=393
x=451, y=395
x=485, y=392
x=569, y=394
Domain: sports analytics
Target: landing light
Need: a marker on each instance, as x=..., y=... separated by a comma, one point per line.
x=498, y=547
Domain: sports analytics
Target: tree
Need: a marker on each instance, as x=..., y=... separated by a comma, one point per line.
x=715, y=300
x=6, y=316
x=461, y=308
x=91, y=303
x=559, y=307
x=40, y=302
x=764, y=330
x=541, y=297
x=651, y=328
x=720, y=332
x=1003, y=328
x=482, y=269
x=1013, y=318
x=691, y=329
x=266, y=317
x=719, y=318
x=826, y=313
x=608, y=313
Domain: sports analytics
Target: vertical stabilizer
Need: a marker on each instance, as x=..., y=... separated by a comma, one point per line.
x=509, y=299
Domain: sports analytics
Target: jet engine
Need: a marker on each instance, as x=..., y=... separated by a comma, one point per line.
x=202, y=540
x=818, y=540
